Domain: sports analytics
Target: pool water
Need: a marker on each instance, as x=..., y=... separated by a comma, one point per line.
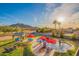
x=64, y=47
x=60, y=48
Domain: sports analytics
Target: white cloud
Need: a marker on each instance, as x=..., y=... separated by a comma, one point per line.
x=67, y=10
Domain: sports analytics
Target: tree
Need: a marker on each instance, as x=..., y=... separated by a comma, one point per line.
x=55, y=22
x=59, y=24
x=61, y=34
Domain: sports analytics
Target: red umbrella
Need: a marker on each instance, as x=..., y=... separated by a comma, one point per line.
x=52, y=41
x=43, y=37
x=47, y=39
x=30, y=36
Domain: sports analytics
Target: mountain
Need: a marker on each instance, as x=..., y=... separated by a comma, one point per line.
x=23, y=26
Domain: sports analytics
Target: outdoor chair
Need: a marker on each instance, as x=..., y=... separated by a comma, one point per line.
x=7, y=49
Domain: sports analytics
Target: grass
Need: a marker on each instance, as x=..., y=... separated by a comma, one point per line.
x=16, y=52
x=28, y=50
x=5, y=42
x=20, y=51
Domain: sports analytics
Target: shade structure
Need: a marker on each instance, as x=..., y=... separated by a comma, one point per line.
x=31, y=36
x=42, y=38
x=17, y=39
x=52, y=41
x=30, y=39
x=48, y=40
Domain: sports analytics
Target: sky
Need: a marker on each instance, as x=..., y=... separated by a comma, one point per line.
x=40, y=14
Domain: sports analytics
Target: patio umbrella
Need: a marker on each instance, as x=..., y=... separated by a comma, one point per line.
x=31, y=36
x=30, y=39
x=42, y=38
x=17, y=39
x=52, y=41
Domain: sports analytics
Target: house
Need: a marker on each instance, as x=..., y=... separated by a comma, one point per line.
x=20, y=34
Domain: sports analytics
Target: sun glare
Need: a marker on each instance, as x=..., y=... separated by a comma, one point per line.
x=61, y=19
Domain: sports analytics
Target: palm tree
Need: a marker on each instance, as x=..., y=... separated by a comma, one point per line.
x=59, y=24
x=55, y=22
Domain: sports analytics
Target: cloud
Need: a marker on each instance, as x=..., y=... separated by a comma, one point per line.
x=65, y=10
x=70, y=11
x=49, y=8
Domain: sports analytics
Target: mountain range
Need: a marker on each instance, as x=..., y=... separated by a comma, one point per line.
x=23, y=26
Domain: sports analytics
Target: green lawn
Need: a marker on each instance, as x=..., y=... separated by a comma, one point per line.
x=28, y=50
x=20, y=51
x=5, y=42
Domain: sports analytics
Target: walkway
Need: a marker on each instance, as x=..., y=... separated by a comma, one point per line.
x=77, y=54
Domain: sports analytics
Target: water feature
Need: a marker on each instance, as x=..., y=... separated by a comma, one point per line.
x=60, y=48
